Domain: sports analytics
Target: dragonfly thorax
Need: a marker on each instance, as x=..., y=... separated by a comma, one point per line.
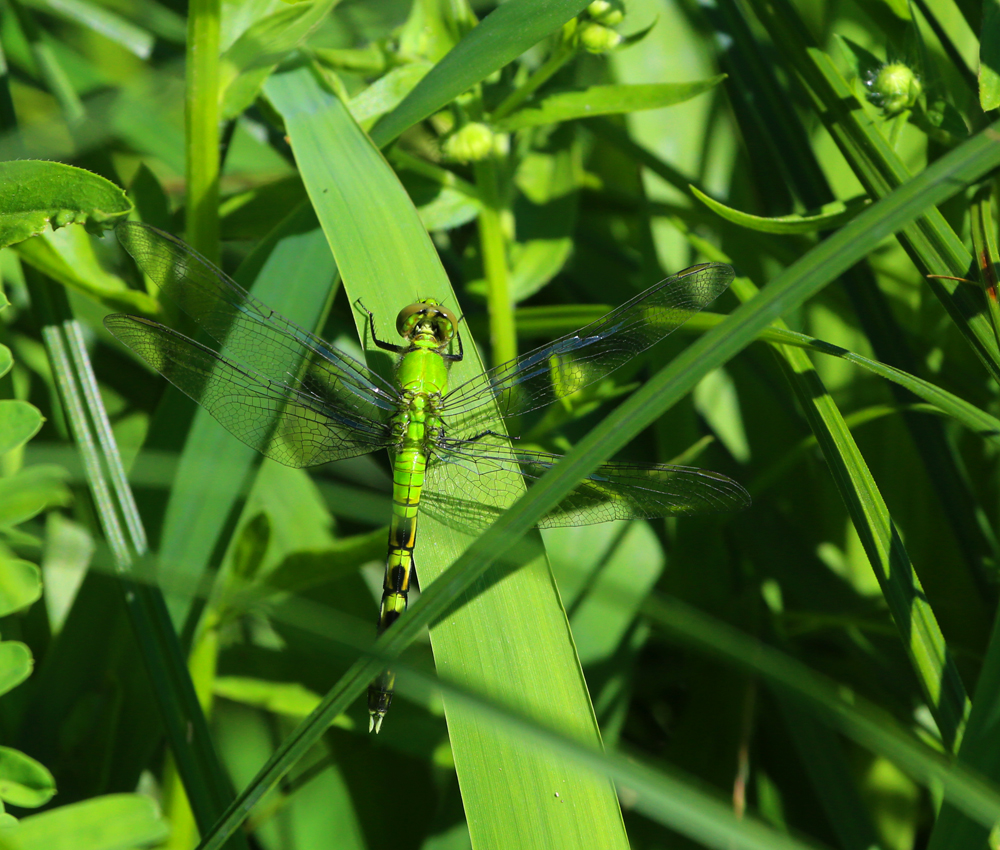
x=427, y=322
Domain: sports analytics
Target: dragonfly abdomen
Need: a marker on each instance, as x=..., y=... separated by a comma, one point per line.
x=407, y=482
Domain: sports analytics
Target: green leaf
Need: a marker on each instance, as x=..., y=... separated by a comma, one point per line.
x=989, y=56
x=251, y=58
x=603, y=100
x=102, y=20
x=387, y=92
x=829, y=217
x=20, y=585
x=302, y=570
x=30, y=491
x=113, y=822
x=6, y=358
x=16, y=664
x=387, y=258
x=39, y=194
x=19, y=422
x=67, y=258
x=288, y=698
x=502, y=36
x=23, y=781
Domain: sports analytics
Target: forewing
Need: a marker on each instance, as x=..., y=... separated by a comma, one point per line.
x=472, y=488
x=585, y=356
x=250, y=332
x=277, y=420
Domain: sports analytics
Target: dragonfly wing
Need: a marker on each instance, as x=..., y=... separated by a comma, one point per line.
x=613, y=491
x=249, y=331
x=579, y=359
x=280, y=421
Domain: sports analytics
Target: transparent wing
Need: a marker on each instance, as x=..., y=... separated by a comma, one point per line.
x=471, y=489
x=283, y=423
x=252, y=333
x=589, y=354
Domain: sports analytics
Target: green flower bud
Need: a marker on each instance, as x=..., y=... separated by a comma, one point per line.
x=606, y=12
x=895, y=87
x=595, y=38
x=471, y=143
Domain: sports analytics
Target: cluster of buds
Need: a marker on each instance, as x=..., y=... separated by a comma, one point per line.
x=474, y=142
x=594, y=31
x=894, y=88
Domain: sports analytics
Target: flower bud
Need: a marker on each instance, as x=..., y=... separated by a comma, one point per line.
x=595, y=38
x=606, y=12
x=471, y=143
x=894, y=87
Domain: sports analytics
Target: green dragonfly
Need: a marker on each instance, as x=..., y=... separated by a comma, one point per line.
x=288, y=394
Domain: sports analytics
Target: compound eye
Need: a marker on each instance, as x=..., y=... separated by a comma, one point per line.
x=445, y=323
x=408, y=317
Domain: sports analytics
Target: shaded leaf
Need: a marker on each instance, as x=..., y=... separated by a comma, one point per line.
x=604, y=100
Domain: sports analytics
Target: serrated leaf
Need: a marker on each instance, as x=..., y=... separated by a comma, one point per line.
x=37, y=194
x=19, y=422
x=604, y=100
x=20, y=585
x=828, y=217
x=23, y=781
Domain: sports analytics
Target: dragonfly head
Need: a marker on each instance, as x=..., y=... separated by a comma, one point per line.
x=427, y=317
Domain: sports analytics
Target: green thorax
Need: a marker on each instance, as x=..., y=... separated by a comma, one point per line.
x=422, y=374
x=428, y=328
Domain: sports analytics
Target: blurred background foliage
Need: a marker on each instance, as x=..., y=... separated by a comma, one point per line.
x=805, y=668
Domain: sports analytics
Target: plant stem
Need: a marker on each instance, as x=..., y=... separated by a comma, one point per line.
x=560, y=56
x=494, y=247
x=202, y=127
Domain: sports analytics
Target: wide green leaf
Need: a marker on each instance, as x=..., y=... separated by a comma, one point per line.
x=387, y=261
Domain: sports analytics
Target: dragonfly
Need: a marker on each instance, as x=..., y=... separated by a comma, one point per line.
x=302, y=402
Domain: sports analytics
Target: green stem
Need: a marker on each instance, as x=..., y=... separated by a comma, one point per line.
x=202, y=127
x=560, y=56
x=494, y=247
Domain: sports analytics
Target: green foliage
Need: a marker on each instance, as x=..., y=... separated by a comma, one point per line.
x=818, y=670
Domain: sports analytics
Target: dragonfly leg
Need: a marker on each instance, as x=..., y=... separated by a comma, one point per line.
x=454, y=358
x=486, y=433
x=385, y=346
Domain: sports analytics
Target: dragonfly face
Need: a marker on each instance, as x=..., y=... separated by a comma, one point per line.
x=427, y=320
